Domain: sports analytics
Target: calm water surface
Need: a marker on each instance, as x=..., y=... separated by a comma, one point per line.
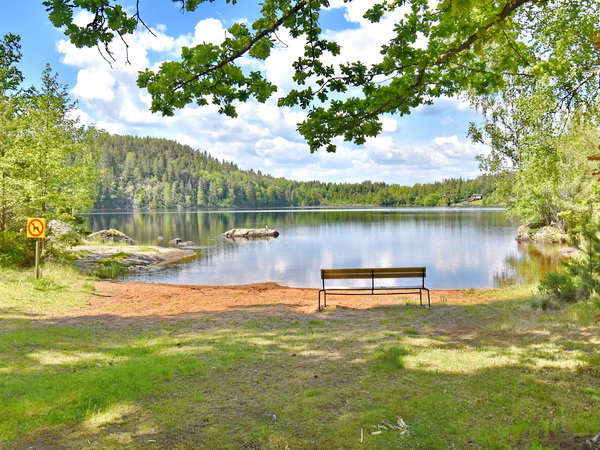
x=461, y=247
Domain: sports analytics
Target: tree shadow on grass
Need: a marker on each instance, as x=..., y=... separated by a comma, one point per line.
x=486, y=378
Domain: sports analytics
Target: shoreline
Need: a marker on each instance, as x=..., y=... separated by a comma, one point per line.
x=140, y=301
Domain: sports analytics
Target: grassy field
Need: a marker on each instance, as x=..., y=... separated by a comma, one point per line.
x=495, y=375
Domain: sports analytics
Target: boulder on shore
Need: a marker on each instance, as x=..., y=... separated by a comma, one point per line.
x=111, y=236
x=126, y=257
x=543, y=235
x=523, y=234
x=250, y=233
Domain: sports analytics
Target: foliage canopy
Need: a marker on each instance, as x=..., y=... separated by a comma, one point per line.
x=439, y=49
x=541, y=150
x=48, y=161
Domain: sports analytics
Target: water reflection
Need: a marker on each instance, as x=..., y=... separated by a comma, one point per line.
x=248, y=238
x=462, y=248
x=527, y=265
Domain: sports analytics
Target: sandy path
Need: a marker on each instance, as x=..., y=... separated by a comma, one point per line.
x=133, y=299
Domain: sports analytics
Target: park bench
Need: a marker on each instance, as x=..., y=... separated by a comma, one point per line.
x=373, y=274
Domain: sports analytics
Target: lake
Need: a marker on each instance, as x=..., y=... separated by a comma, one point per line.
x=462, y=248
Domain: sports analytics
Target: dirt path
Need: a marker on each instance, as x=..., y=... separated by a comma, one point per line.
x=133, y=299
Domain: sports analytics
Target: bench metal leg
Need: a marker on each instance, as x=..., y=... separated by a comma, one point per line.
x=324, y=299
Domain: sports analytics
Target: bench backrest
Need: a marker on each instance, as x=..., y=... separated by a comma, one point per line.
x=394, y=272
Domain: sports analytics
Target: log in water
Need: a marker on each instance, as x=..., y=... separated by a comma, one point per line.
x=250, y=233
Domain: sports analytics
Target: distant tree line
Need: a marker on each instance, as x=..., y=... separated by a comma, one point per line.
x=160, y=173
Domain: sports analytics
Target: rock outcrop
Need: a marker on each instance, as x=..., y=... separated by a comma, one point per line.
x=543, y=235
x=126, y=257
x=111, y=236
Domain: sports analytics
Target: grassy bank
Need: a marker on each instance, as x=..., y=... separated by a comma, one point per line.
x=475, y=376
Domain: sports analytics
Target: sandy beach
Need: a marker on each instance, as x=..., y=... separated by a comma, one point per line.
x=122, y=299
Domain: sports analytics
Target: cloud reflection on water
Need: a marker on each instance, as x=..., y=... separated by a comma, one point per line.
x=461, y=247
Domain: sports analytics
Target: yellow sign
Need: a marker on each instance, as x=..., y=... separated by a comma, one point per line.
x=36, y=228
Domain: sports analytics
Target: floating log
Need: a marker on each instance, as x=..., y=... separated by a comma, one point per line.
x=250, y=233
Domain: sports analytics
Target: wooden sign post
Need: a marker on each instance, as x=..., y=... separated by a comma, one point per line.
x=36, y=229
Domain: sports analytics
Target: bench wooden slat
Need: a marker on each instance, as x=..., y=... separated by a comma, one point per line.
x=419, y=271
x=398, y=272
x=398, y=275
x=346, y=271
x=346, y=276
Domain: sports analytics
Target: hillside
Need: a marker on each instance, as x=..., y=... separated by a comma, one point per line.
x=160, y=173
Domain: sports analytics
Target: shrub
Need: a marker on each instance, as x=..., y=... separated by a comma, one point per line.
x=16, y=249
x=559, y=285
x=579, y=277
x=545, y=303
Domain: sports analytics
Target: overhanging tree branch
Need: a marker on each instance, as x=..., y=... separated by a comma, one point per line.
x=238, y=54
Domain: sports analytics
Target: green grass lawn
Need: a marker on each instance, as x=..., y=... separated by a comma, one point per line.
x=498, y=375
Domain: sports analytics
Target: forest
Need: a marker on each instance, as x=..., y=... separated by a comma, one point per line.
x=159, y=173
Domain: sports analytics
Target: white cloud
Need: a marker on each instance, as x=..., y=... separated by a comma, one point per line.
x=91, y=86
x=278, y=66
x=445, y=105
x=388, y=124
x=82, y=18
x=210, y=31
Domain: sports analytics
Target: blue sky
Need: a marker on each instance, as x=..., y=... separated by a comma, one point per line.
x=428, y=145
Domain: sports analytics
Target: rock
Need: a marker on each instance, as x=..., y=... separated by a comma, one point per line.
x=160, y=239
x=59, y=228
x=127, y=258
x=250, y=233
x=61, y=232
x=523, y=233
x=188, y=243
x=550, y=235
x=543, y=235
x=568, y=252
x=175, y=241
x=111, y=236
x=594, y=442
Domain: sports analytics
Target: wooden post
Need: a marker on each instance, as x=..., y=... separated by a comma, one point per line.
x=36, y=229
x=37, y=258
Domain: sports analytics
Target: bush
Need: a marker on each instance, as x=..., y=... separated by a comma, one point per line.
x=580, y=277
x=16, y=249
x=560, y=285
x=545, y=303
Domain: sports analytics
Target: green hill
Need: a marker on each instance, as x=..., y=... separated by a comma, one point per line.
x=160, y=173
